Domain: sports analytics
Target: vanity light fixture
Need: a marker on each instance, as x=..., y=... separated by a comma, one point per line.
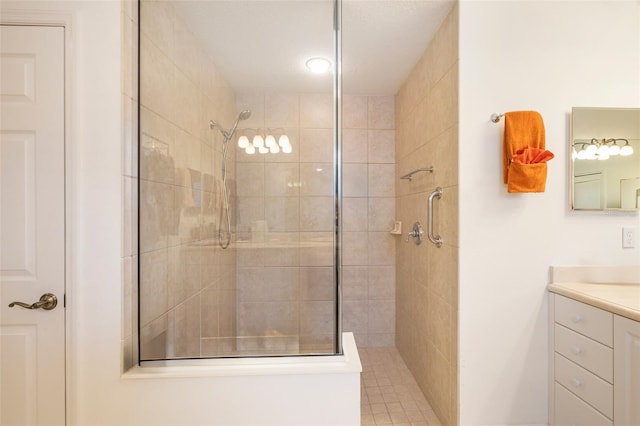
x=600, y=149
x=318, y=65
x=264, y=141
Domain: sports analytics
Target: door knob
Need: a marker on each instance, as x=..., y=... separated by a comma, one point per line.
x=47, y=302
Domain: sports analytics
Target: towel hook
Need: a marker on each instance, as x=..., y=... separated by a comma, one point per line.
x=495, y=117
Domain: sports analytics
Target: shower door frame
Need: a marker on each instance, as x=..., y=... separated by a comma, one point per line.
x=337, y=183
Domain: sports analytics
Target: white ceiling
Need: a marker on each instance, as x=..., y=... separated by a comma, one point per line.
x=262, y=45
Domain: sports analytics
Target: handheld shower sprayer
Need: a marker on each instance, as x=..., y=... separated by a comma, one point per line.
x=228, y=135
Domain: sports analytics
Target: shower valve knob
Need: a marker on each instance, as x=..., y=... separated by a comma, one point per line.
x=416, y=233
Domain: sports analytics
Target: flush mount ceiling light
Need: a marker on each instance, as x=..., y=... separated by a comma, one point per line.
x=318, y=65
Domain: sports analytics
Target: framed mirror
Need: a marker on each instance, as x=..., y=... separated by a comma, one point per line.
x=605, y=159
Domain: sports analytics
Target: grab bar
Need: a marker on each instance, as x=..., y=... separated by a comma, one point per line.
x=435, y=239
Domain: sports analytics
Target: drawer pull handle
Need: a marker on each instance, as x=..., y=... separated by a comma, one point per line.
x=576, y=383
x=577, y=318
x=576, y=350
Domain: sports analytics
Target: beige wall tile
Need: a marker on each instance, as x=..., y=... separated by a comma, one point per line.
x=316, y=179
x=354, y=214
x=382, y=314
x=426, y=277
x=316, y=249
x=354, y=180
x=316, y=111
x=316, y=145
x=354, y=112
x=382, y=282
x=382, y=248
x=354, y=146
x=381, y=180
x=355, y=283
x=282, y=249
x=250, y=179
x=316, y=213
x=282, y=213
x=281, y=110
x=381, y=113
x=381, y=146
x=316, y=283
x=317, y=317
x=381, y=213
x=355, y=248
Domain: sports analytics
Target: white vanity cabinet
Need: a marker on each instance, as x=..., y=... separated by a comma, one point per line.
x=582, y=364
x=594, y=365
x=626, y=374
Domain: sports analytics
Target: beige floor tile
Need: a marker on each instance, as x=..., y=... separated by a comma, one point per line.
x=390, y=394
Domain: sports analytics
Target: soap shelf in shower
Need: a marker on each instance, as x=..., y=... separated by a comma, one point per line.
x=409, y=175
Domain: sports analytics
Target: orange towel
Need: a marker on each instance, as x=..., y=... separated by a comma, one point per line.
x=532, y=156
x=522, y=129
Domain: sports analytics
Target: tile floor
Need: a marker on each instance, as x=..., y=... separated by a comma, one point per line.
x=390, y=394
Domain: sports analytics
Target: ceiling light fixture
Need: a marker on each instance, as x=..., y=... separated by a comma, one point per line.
x=318, y=65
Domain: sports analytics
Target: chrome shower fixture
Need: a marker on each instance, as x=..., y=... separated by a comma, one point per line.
x=224, y=237
x=229, y=134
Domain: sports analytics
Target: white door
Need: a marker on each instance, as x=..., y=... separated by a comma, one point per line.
x=32, y=251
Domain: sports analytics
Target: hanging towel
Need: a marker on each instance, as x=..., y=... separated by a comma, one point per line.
x=522, y=129
x=532, y=156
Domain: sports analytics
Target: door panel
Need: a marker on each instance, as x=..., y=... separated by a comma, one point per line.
x=32, y=233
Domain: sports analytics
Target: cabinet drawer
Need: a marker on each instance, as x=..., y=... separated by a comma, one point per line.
x=571, y=410
x=592, y=322
x=594, y=356
x=589, y=387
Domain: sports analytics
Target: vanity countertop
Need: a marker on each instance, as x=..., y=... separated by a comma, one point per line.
x=620, y=299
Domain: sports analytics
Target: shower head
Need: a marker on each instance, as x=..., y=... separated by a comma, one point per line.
x=228, y=135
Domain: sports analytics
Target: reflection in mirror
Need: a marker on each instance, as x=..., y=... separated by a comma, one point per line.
x=605, y=159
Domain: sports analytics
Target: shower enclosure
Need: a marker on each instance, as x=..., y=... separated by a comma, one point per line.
x=239, y=164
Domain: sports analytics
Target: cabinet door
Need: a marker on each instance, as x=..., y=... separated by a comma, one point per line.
x=626, y=390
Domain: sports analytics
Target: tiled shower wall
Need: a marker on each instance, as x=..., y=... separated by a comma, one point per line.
x=285, y=218
x=368, y=156
x=427, y=277
x=187, y=284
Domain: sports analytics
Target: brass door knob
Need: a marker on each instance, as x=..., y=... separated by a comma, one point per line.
x=47, y=302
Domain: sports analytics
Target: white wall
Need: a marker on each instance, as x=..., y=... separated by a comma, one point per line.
x=546, y=56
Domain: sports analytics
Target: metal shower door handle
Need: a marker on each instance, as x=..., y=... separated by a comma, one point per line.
x=435, y=239
x=47, y=302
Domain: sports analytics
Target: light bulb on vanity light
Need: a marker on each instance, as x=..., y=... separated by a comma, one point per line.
x=274, y=149
x=626, y=149
x=270, y=141
x=263, y=150
x=243, y=142
x=287, y=149
x=591, y=149
x=250, y=150
x=283, y=141
x=614, y=149
x=258, y=141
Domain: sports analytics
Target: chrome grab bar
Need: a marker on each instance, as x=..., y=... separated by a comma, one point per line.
x=435, y=239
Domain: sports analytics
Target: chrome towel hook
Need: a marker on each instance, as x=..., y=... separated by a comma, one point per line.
x=435, y=239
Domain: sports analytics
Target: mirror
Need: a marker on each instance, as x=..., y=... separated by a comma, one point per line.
x=605, y=159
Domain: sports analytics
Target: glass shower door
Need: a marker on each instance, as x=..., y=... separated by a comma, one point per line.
x=238, y=163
